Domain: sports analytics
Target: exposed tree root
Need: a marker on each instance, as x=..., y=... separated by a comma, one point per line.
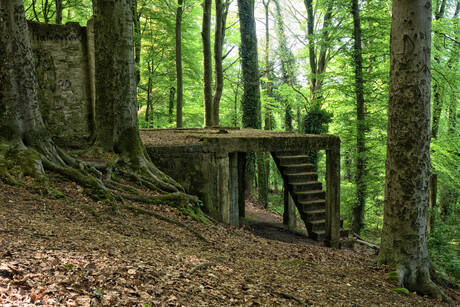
x=98, y=177
x=160, y=217
x=419, y=280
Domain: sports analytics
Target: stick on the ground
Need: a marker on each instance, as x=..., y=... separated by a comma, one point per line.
x=202, y=266
x=364, y=242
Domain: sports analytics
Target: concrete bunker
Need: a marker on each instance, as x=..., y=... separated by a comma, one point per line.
x=209, y=164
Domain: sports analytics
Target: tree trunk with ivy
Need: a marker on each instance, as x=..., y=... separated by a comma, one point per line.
x=179, y=72
x=251, y=92
x=207, y=63
x=404, y=237
x=250, y=67
x=360, y=200
x=219, y=36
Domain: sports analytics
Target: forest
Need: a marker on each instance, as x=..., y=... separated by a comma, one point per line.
x=317, y=67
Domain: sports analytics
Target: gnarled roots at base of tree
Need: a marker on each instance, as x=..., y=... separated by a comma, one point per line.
x=419, y=279
x=18, y=161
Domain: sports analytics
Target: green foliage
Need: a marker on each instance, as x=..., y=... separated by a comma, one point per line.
x=316, y=121
x=402, y=291
x=444, y=244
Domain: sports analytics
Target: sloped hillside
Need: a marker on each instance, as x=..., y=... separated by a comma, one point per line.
x=55, y=252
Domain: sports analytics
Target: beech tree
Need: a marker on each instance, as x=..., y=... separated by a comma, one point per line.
x=404, y=238
x=24, y=140
x=23, y=137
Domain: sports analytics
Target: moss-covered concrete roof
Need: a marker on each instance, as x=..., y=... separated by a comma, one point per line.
x=226, y=140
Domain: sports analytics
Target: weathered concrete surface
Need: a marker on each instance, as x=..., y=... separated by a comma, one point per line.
x=209, y=164
x=64, y=94
x=235, y=140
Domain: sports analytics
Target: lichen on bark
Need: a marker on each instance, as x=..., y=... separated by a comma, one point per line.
x=404, y=238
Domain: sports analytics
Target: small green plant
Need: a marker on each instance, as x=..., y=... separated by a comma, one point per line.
x=98, y=292
x=443, y=245
x=69, y=267
x=402, y=291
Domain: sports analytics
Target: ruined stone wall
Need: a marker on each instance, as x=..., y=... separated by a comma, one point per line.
x=64, y=93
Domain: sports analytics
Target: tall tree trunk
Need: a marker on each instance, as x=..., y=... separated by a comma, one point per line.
x=21, y=124
x=59, y=12
x=149, y=93
x=117, y=128
x=360, y=201
x=268, y=84
x=404, y=237
x=249, y=62
x=137, y=40
x=22, y=131
x=172, y=94
x=287, y=64
x=207, y=64
x=263, y=171
x=438, y=101
x=318, y=61
x=179, y=85
x=219, y=36
x=251, y=92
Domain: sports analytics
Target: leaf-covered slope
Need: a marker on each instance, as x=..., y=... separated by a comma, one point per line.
x=56, y=253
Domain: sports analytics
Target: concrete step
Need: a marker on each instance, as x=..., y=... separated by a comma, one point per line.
x=293, y=159
x=310, y=195
x=306, y=186
x=317, y=235
x=302, y=177
x=315, y=226
x=313, y=205
x=298, y=168
x=314, y=215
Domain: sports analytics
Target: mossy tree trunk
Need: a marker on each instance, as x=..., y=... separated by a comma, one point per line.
x=117, y=127
x=360, y=200
x=251, y=92
x=207, y=63
x=179, y=72
x=250, y=67
x=23, y=136
x=404, y=238
x=219, y=36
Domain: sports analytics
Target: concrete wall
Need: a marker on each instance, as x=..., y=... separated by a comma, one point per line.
x=211, y=176
x=64, y=94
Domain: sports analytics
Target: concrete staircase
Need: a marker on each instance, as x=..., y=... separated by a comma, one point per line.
x=305, y=189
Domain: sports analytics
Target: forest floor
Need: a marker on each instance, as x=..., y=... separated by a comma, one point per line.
x=56, y=252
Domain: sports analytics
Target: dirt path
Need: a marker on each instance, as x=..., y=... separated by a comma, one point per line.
x=269, y=225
